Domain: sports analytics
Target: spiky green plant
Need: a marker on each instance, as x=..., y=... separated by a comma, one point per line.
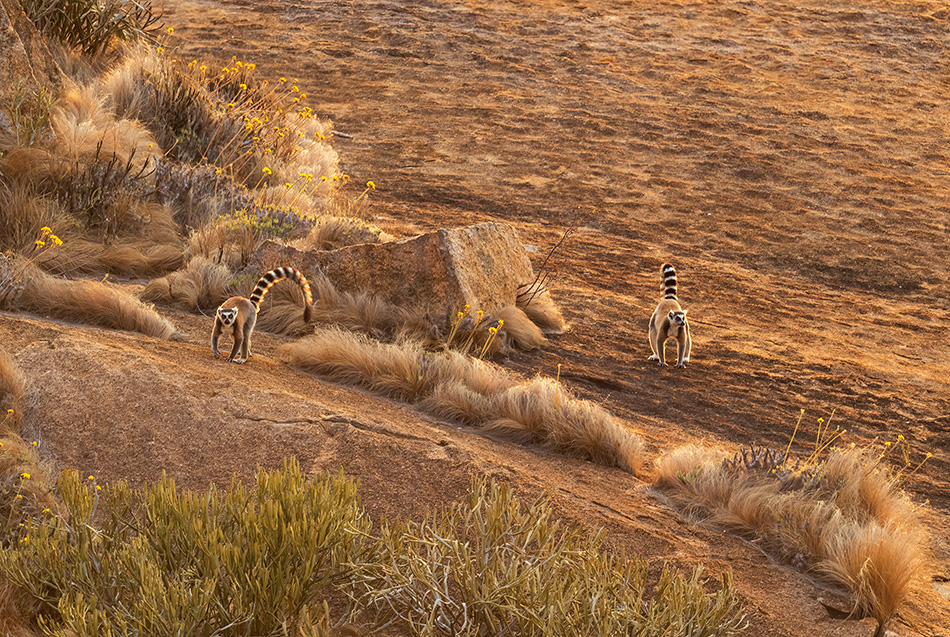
x=494, y=566
x=90, y=26
x=157, y=561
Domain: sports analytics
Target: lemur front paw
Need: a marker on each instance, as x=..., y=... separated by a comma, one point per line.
x=217, y=354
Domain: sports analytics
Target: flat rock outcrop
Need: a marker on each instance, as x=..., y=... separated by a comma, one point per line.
x=481, y=265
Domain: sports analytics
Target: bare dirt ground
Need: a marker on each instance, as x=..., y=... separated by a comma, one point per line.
x=790, y=158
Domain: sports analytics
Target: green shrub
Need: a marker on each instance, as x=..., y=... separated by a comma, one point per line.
x=90, y=26
x=493, y=566
x=154, y=561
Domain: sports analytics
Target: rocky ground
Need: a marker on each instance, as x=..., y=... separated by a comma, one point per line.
x=790, y=158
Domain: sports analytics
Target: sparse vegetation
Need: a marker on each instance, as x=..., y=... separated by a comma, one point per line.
x=470, y=392
x=493, y=565
x=840, y=517
x=265, y=560
x=92, y=26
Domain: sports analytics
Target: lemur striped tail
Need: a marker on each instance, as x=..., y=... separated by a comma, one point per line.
x=668, y=287
x=279, y=274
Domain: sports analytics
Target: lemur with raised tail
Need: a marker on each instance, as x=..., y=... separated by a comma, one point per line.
x=240, y=314
x=669, y=321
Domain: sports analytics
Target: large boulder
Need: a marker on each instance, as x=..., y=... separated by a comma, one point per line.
x=27, y=62
x=482, y=266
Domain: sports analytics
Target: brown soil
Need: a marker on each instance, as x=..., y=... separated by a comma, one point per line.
x=790, y=158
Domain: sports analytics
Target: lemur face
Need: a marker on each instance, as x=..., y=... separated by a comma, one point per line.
x=228, y=315
x=677, y=318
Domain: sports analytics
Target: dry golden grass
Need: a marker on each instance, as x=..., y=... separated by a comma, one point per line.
x=13, y=622
x=474, y=393
x=332, y=233
x=518, y=330
x=22, y=213
x=536, y=302
x=80, y=256
x=202, y=286
x=85, y=131
x=12, y=391
x=91, y=302
x=230, y=244
x=849, y=524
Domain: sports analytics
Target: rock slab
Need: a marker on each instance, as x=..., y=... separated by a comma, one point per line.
x=481, y=265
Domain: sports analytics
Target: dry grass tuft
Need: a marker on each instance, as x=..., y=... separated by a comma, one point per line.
x=536, y=302
x=79, y=256
x=90, y=302
x=13, y=622
x=12, y=390
x=519, y=330
x=843, y=518
x=232, y=245
x=332, y=233
x=22, y=213
x=202, y=286
x=474, y=393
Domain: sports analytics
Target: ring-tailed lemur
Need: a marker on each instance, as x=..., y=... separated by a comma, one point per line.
x=669, y=321
x=240, y=314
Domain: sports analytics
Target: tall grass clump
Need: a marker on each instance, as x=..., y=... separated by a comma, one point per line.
x=470, y=392
x=494, y=566
x=841, y=517
x=91, y=302
x=156, y=561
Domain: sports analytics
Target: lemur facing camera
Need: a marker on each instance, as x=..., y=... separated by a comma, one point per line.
x=669, y=321
x=240, y=314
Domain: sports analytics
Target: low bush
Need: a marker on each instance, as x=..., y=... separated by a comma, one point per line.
x=156, y=561
x=493, y=566
x=92, y=26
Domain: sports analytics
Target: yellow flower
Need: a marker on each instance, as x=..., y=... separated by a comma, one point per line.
x=900, y=436
x=372, y=186
x=56, y=240
x=294, y=89
x=821, y=420
x=25, y=476
x=501, y=322
x=19, y=497
x=492, y=330
x=283, y=80
x=161, y=49
x=170, y=30
x=91, y=478
x=34, y=443
x=98, y=488
x=324, y=178
x=243, y=87
x=203, y=68
x=346, y=176
x=267, y=171
x=10, y=411
x=251, y=66
x=287, y=184
x=46, y=230
x=40, y=243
